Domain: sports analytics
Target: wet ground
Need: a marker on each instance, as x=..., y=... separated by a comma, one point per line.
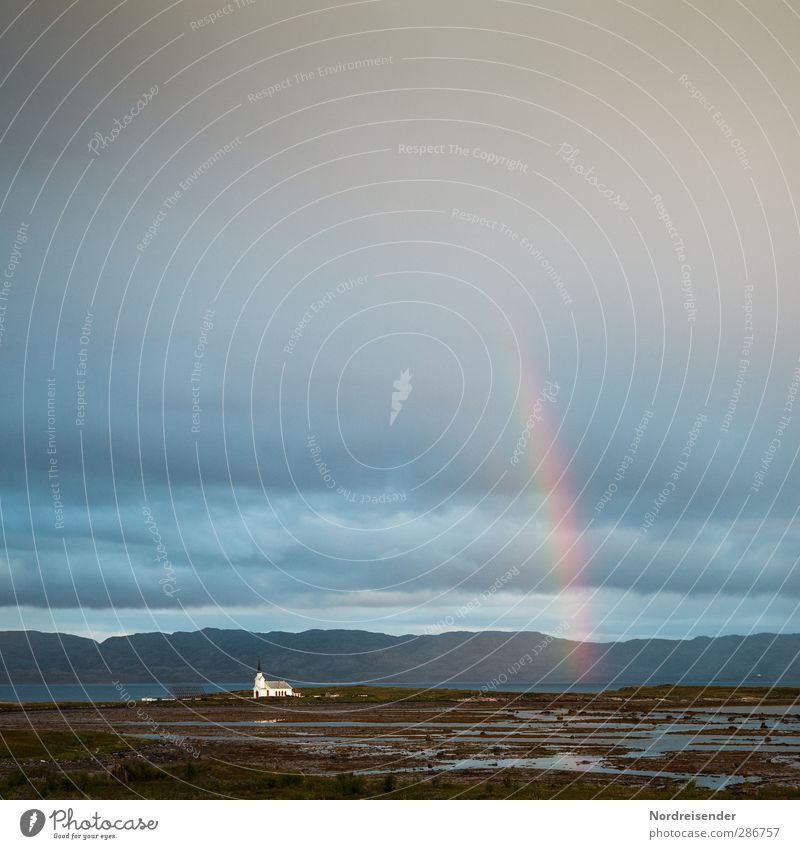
x=593, y=737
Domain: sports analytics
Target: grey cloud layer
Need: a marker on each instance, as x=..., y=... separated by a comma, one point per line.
x=226, y=290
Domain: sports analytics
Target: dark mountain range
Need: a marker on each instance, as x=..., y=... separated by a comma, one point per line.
x=32, y=657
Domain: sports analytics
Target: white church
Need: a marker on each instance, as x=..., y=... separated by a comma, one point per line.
x=263, y=689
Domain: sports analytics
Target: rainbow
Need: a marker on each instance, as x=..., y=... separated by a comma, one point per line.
x=537, y=451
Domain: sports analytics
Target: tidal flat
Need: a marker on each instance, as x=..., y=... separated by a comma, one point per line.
x=378, y=742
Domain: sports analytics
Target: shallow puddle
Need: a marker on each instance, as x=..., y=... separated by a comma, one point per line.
x=570, y=763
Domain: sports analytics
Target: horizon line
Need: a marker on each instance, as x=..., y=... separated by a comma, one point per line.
x=407, y=634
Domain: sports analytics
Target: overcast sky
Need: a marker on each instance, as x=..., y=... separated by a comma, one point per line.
x=402, y=316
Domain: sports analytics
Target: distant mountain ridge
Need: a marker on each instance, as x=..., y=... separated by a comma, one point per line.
x=341, y=656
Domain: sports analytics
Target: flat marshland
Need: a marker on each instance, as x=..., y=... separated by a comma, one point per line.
x=362, y=742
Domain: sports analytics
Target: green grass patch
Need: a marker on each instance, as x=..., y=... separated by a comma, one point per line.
x=26, y=745
x=678, y=692
x=365, y=694
x=134, y=778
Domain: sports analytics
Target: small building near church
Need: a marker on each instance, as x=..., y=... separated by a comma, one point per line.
x=263, y=689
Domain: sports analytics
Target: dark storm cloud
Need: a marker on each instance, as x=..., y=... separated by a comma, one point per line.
x=248, y=555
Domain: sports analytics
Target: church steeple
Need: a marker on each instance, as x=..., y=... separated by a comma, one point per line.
x=258, y=668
